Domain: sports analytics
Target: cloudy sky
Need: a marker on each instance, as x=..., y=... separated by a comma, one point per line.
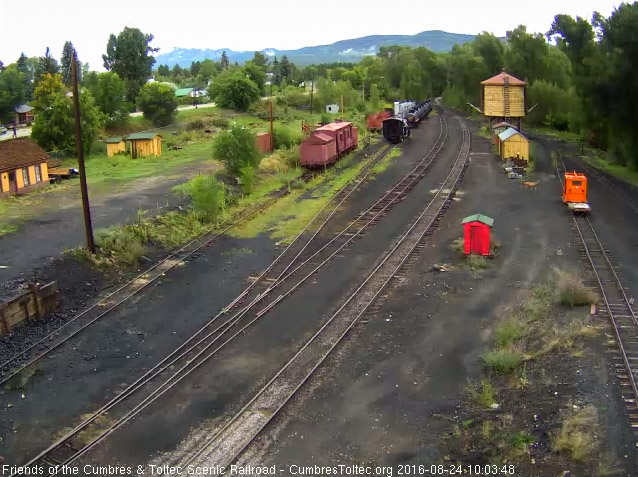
x=30, y=26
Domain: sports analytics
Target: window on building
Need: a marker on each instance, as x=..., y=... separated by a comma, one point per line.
x=25, y=176
x=38, y=173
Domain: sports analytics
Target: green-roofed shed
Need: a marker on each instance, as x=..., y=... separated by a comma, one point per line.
x=114, y=145
x=145, y=144
x=476, y=234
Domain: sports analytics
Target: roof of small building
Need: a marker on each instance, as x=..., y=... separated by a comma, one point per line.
x=183, y=92
x=508, y=133
x=113, y=140
x=489, y=221
x=141, y=136
x=20, y=152
x=334, y=126
x=23, y=108
x=499, y=79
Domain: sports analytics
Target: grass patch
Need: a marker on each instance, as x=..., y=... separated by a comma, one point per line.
x=458, y=246
x=623, y=173
x=521, y=440
x=509, y=332
x=571, y=290
x=6, y=229
x=285, y=219
x=483, y=393
x=122, y=245
x=20, y=380
x=476, y=262
x=578, y=434
x=504, y=360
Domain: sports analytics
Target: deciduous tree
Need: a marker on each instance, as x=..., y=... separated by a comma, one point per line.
x=130, y=56
x=234, y=89
x=158, y=103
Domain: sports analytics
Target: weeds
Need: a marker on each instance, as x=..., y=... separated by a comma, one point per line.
x=509, y=332
x=482, y=394
x=20, y=380
x=477, y=262
x=122, y=245
x=571, y=289
x=577, y=435
x=458, y=246
x=503, y=360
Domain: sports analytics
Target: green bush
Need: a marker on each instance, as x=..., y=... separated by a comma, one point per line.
x=248, y=177
x=220, y=123
x=571, y=289
x=195, y=125
x=236, y=148
x=122, y=245
x=284, y=137
x=208, y=197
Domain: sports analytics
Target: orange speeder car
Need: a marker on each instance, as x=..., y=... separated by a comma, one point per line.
x=575, y=192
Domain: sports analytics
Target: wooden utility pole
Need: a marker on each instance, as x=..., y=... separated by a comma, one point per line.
x=272, y=137
x=90, y=243
x=312, y=88
x=342, y=111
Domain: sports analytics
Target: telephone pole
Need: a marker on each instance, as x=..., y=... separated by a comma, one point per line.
x=90, y=243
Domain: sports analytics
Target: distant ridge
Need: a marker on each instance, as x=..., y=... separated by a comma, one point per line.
x=345, y=50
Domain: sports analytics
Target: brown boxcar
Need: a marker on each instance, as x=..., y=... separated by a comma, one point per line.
x=343, y=133
x=318, y=150
x=374, y=122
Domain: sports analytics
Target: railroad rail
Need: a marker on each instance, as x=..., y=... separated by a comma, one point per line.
x=624, y=197
x=615, y=304
x=124, y=293
x=185, y=359
x=229, y=442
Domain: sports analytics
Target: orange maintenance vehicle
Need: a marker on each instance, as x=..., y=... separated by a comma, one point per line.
x=575, y=192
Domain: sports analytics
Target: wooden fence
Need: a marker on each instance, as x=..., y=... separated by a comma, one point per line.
x=32, y=305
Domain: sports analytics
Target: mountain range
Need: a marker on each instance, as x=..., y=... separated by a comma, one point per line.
x=345, y=50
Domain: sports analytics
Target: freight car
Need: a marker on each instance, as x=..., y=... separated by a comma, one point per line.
x=418, y=112
x=374, y=122
x=327, y=143
x=395, y=130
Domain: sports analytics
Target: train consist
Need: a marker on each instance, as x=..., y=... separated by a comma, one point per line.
x=407, y=115
x=327, y=143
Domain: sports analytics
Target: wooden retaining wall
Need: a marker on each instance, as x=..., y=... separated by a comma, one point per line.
x=34, y=304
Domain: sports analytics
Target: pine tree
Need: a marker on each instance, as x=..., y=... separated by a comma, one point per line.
x=224, y=61
x=27, y=71
x=65, y=62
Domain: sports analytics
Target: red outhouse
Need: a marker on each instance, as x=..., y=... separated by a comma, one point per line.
x=476, y=234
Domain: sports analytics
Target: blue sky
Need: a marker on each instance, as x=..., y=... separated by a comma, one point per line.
x=33, y=25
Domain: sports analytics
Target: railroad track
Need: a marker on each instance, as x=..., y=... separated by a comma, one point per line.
x=232, y=438
x=124, y=293
x=194, y=352
x=624, y=198
x=615, y=304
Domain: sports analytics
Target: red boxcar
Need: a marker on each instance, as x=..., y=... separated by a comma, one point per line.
x=476, y=236
x=318, y=150
x=327, y=143
x=374, y=122
x=344, y=134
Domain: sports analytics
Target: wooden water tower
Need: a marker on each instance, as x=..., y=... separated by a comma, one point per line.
x=503, y=99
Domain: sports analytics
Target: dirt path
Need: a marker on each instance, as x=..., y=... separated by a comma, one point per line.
x=57, y=224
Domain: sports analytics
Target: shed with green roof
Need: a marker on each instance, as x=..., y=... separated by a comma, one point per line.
x=145, y=144
x=115, y=145
x=476, y=234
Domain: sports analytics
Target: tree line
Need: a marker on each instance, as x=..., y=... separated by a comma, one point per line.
x=580, y=75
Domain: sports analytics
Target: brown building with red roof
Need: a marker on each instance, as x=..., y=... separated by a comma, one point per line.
x=23, y=166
